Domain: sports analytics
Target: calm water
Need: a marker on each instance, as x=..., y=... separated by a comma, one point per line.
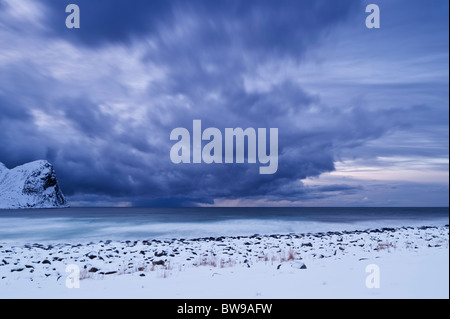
x=90, y=224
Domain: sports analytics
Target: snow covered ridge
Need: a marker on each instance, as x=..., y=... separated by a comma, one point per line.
x=32, y=185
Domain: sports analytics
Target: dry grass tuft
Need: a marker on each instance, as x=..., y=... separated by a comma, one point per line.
x=290, y=255
x=384, y=246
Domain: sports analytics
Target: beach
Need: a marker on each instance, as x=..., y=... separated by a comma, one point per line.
x=407, y=262
x=225, y=149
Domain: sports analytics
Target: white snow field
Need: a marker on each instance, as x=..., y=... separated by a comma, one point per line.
x=403, y=262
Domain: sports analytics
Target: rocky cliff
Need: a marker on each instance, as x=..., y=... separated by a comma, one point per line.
x=32, y=185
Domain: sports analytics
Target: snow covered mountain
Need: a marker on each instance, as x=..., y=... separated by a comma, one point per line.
x=32, y=185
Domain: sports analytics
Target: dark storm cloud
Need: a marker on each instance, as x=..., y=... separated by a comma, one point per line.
x=108, y=134
x=12, y=111
x=258, y=24
x=87, y=117
x=104, y=21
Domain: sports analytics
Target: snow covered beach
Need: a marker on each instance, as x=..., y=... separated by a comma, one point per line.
x=413, y=262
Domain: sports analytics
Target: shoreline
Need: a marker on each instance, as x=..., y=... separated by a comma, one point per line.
x=118, y=264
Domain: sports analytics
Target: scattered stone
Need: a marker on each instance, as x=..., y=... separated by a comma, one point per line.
x=17, y=269
x=266, y=248
x=298, y=265
x=160, y=254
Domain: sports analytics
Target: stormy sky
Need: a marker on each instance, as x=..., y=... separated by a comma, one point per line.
x=363, y=114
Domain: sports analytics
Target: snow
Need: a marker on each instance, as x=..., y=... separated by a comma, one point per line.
x=413, y=263
x=32, y=185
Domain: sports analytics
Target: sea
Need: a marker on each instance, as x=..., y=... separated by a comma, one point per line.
x=81, y=225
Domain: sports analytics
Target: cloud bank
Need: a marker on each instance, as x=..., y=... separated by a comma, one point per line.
x=100, y=102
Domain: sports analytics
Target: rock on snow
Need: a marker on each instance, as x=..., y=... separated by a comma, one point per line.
x=32, y=185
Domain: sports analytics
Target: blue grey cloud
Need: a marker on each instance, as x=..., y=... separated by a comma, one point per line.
x=100, y=102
